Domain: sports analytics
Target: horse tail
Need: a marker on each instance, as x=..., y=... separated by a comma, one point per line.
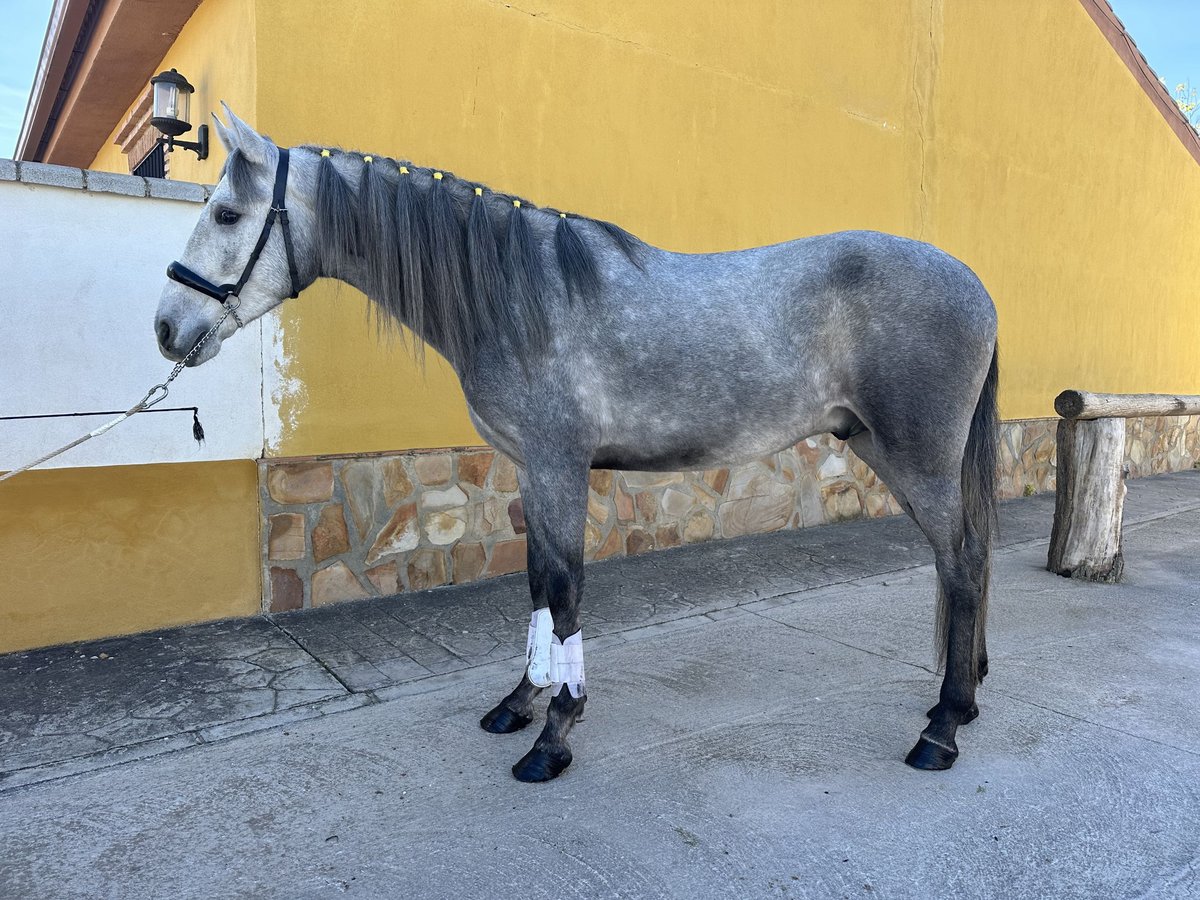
x=979, y=501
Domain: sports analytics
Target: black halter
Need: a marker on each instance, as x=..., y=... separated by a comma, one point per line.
x=180, y=273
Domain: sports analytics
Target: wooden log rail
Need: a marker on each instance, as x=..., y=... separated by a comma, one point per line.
x=1090, y=485
x=1086, y=405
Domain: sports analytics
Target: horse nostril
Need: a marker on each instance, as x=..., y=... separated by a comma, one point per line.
x=164, y=332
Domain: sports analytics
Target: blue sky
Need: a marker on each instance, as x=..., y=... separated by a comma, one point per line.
x=24, y=27
x=1166, y=31
x=1168, y=34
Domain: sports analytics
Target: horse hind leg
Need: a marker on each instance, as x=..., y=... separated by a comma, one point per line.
x=938, y=508
x=935, y=503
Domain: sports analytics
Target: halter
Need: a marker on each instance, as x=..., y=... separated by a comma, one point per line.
x=181, y=274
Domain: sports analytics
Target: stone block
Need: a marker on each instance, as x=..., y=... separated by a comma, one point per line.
x=640, y=481
x=8, y=170
x=624, y=505
x=704, y=497
x=446, y=527
x=841, y=501
x=399, y=535
x=287, y=590
x=495, y=516
x=647, y=504
x=592, y=538
x=474, y=467
x=467, y=560
x=612, y=546
x=285, y=536
x=597, y=509
x=876, y=505
x=329, y=537
x=361, y=486
x=507, y=557
x=676, y=503
x=397, y=486
x=767, y=505
x=601, y=481
x=113, y=183
x=809, y=453
x=638, y=541
x=165, y=189
x=53, y=176
x=433, y=468
x=504, y=474
x=426, y=569
x=335, y=584
x=445, y=499
x=386, y=578
x=310, y=482
x=717, y=479
x=667, y=536
x=699, y=527
x=516, y=515
x=748, y=481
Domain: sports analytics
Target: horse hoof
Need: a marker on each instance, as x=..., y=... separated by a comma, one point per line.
x=503, y=720
x=541, y=765
x=970, y=716
x=930, y=756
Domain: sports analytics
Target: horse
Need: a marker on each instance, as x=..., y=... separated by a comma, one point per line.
x=578, y=346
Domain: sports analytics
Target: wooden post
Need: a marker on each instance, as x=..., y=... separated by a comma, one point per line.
x=1089, y=499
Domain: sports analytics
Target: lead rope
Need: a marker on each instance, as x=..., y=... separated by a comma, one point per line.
x=153, y=397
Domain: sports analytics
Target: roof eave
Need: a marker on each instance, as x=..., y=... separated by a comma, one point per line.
x=62, y=33
x=96, y=60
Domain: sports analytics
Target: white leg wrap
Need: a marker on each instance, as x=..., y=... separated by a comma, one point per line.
x=537, y=650
x=551, y=662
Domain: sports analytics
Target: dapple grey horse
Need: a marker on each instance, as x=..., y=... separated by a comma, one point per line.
x=579, y=347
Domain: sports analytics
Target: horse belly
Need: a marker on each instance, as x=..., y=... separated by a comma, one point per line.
x=664, y=442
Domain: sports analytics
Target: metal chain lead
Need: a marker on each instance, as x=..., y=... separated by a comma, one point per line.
x=145, y=403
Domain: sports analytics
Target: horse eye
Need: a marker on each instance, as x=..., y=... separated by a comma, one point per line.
x=227, y=217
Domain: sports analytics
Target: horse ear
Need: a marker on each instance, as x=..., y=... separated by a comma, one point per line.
x=249, y=142
x=228, y=139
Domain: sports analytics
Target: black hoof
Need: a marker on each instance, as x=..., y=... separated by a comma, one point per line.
x=971, y=715
x=541, y=765
x=930, y=756
x=503, y=720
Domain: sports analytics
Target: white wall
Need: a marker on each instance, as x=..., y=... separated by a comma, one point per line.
x=80, y=276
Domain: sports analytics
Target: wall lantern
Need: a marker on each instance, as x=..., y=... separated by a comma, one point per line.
x=172, y=102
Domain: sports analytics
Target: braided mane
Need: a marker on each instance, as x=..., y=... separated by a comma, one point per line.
x=453, y=260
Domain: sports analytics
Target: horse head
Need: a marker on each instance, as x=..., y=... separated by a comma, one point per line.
x=238, y=258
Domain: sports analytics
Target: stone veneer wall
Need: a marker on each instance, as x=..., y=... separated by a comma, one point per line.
x=342, y=528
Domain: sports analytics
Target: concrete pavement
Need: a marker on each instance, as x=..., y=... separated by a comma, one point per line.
x=751, y=704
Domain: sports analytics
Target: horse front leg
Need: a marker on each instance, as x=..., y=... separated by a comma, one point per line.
x=554, y=492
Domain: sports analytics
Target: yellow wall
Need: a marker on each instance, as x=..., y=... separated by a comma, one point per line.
x=1060, y=183
x=1019, y=142
x=215, y=51
x=95, y=552
x=743, y=139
